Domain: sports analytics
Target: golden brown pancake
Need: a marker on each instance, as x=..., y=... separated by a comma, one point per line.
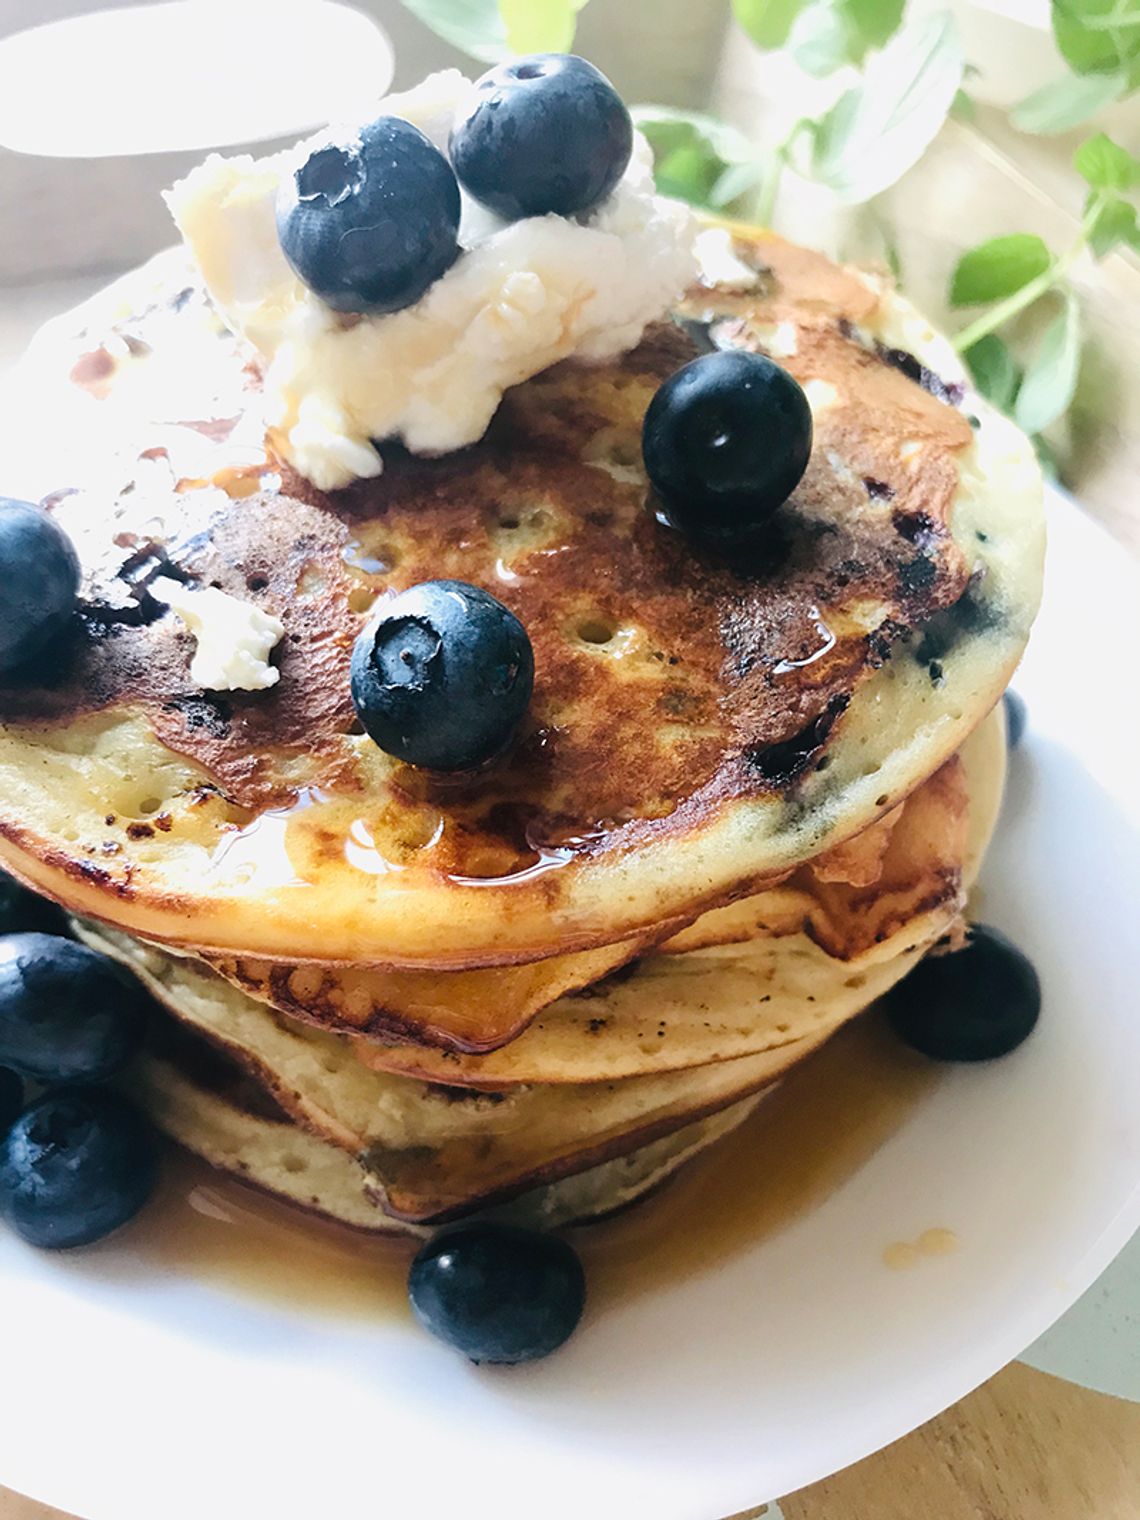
x=698, y=727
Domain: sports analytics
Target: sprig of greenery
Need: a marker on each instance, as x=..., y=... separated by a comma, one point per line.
x=1011, y=274
x=491, y=30
x=1100, y=41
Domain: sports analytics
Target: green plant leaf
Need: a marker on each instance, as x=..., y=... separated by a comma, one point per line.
x=473, y=26
x=1105, y=166
x=962, y=107
x=877, y=131
x=767, y=22
x=540, y=26
x=693, y=154
x=996, y=372
x=1097, y=36
x=877, y=21
x=823, y=40
x=997, y=268
x=1051, y=379
x=1067, y=102
x=1115, y=223
x=735, y=181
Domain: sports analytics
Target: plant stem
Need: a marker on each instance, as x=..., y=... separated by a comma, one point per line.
x=770, y=187
x=1014, y=305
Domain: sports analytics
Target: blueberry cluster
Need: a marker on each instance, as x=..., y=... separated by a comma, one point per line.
x=76, y=1160
x=368, y=223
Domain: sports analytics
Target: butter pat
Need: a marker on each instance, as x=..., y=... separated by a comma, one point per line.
x=234, y=638
x=520, y=297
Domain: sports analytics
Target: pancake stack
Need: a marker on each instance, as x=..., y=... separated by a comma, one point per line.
x=747, y=798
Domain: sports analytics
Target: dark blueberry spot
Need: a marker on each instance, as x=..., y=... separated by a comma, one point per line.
x=951, y=393
x=370, y=224
x=972, y=1004
x=497, y=1293
x=66, y=1013
x=785, y=761
x=917, y=575
x=548, y=133
x=963, y=619
x=878, y=490
x=935, y=669
x=75, y=1166
x=442, y=675
x=1016, y=718
x=39, y=584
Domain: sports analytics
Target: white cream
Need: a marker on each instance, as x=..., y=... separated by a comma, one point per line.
x=520, y=297
x=821, y=396
x=234, y=638
x=719, y=262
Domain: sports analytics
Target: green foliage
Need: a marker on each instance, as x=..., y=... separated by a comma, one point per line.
x=1105, y=166
x=491, y=30
x=1097, y=36
x=998, y=268
x=880, y=128
x=697, y=158
x=767, y=22
x=996, y=372
x=1068, y=102
x=540, y=26
x=1051, y=378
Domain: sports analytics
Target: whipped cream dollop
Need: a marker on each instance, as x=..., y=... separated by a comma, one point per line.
x=520, y=297
x=234, y=638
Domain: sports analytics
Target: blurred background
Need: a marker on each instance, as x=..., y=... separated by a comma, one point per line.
x=101, y=108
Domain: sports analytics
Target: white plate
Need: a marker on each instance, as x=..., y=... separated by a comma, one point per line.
x=130, y=1392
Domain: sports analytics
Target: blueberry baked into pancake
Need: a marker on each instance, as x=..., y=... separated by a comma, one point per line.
x=505, y=670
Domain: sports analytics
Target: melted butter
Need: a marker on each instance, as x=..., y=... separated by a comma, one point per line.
x=803, y=1143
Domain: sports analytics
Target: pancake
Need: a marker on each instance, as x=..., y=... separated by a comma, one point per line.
x=211, y=1111
x=766, y=989
x=697, y=730
x=893, y=886
x=436, y=1151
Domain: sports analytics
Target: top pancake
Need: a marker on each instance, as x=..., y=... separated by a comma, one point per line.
x=697, y=727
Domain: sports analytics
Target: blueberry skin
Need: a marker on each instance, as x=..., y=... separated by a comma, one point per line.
x=974, y=1004
x=21, y=910
x=66, y=1013
x=369, y=223
x=549, y=133
x=76, y=1165
x=11, y=1097
x=498, y=1293
x=1016, y=718
x=726, y=440
x=442, y=675
x=39, y=581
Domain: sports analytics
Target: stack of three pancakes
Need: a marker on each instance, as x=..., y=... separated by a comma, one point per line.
x=746, y=800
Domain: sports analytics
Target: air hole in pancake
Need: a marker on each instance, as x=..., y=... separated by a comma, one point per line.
x=511, y=522
x=361, y=599
x=256, y=582
x=294, y=1165
x=855, y=982
x=148, y=806
x=596, y=630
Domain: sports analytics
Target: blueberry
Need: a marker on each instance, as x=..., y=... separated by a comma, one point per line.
x=1016, y=718
x=39, y=580
x=369, y=222
x=75, y=1166
x=11, y=1097
x=21, y=909
x=442, y=675
x=66, y=1013
x=548, y=133
x=498, y=1293
x=726, y=441
x=970, y=1005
